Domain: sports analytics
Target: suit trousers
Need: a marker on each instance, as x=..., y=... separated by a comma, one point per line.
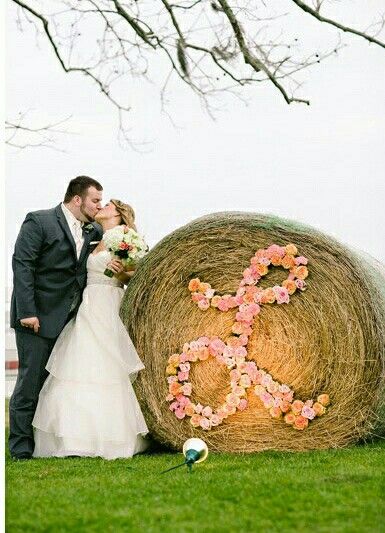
x=33, y=352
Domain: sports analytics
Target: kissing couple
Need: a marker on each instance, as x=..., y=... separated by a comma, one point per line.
x=73, y=395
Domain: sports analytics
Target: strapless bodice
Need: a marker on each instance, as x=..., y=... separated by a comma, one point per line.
x=96, y=265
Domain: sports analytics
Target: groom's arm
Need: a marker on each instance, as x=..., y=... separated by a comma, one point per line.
x=27, y=249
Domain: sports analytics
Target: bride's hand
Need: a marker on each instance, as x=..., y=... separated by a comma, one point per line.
x=116, y=266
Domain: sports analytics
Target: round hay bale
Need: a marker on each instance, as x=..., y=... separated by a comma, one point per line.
x=329, y=339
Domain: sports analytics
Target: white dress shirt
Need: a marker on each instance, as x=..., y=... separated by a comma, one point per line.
x=75, y=226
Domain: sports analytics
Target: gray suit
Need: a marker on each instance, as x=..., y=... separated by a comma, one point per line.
x=48, y=283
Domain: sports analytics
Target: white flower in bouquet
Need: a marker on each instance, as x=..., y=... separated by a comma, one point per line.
x=126, y=244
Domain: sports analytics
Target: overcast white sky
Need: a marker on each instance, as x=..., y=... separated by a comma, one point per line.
x=322, y=165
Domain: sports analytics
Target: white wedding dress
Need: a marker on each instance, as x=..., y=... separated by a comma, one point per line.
x=87, y=406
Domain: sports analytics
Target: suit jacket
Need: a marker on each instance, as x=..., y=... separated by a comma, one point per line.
x=46, y=271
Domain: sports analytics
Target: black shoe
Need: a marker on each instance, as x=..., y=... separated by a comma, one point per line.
x=22, y=457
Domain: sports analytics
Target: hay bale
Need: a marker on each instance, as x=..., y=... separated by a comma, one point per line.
x=329, y=339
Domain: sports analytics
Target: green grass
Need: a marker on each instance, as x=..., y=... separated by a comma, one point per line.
x=325, y=491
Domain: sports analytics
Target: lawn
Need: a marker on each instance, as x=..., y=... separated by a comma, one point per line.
x=325, y=491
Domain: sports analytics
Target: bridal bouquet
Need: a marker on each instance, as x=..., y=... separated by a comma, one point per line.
x=126, y=244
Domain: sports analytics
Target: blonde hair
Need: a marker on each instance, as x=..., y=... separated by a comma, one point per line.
x=126, y=212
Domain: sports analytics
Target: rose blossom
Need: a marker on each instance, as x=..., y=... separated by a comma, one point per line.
x=308, y=412
x=204, y=423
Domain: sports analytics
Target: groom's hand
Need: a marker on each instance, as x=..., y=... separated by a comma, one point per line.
x=31, y=323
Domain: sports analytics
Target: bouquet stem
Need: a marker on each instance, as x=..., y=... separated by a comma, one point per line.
x=108, y=273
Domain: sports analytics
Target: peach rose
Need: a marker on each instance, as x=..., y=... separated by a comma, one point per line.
x=301, y=272
x=195, y=420
x=301, y=422
x=232, y=399
x=171, y=370
x=203, y=287
x=174, y=359
x=276, y=260
x=215, y=301
x=288, y=262
x=319, y=409
x=189, y=410
x=297, y=406
x=275, y=412
x=268, y=296
x=291, y=249
x=324, y=399
x=175, y=388
x=290, y=418
x=261, y=269
x=290, y=286
x=194, y=284
x=203, y=354
x=285, y=406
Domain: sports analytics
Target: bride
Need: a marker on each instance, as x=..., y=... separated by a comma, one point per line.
x=87, y=406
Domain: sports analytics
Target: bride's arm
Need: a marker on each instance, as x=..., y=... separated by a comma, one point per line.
x=124, y=277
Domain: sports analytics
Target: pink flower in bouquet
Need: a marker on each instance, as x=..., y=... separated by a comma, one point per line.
x=209, y=293
x=284, y=388
x=195, y=420
x=240, y=351
x=242, y=404
x=229, y=409
x=207, y=411
x=183, y=400
x=197, y=297
x=198, y=408
x=175, y=388
x=243, y=339
x=259, y=389
x=308, y=412
x=204, y=423
x=170, y=397
x=171, y=379
x=275, y=249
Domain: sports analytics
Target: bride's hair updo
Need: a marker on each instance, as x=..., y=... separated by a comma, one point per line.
x=126, y=213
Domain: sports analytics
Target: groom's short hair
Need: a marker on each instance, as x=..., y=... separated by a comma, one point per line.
x=79, y=186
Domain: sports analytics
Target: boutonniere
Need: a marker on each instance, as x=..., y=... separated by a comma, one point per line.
x=87, y=228
x=94, y=243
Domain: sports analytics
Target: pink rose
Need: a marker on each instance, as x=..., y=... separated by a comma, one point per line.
x=281, y=294
x=183, y=376
x=245, y=381
x=207, y=411
x=203, y=304
x=215, y=420
x=187, y=389
x=169, y=397
x=198, y=408
x=179, y=413
x=171, y=379
x=217, y=346
x=204, y=423
x=308, y=412
x=242, y=404
x=203, y=341
x=184, y=367
x=267, y=399
x=173, y=406
x=301, y=260
x=300, y=284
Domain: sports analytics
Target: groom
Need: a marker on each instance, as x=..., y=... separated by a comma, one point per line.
x=49, y=267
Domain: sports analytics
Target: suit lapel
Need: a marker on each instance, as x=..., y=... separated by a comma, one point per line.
x=87, y=240
x=63, y=223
